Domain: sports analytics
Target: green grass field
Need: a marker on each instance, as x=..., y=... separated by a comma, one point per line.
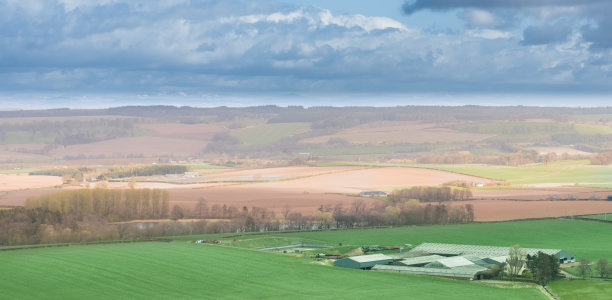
x=582, y=289
x=179, y=270
x=572, y=171
x=558, y=172
x=268, y=133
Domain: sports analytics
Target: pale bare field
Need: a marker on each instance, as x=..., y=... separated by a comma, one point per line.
x=399, y=132
x=364, y=179
x=278, y=172
x=14, y=182
x=143, y=145
x=501, y=210
x=185, y=131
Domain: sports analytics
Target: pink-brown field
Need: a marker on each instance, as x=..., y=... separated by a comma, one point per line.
x=13, y=182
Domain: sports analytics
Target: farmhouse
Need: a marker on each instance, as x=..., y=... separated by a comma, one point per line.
x=364, y=262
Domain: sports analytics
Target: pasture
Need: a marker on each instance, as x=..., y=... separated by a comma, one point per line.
x=392, y=132
x=269, y=133
x=559, y=172
x=582, y=289
x=156, y=270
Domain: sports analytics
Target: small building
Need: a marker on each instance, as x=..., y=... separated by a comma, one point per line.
x=191, y=174
x=364, y=262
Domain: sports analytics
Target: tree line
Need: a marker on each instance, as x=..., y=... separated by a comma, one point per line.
x=132, y=171
x=110, y=205
x=430, y=194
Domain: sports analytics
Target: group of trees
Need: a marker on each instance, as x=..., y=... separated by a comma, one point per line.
x=88, y=215
x=358, y=214
x=586, y=268
x=540, y=267
x=602, y=159
x=543, y=267
x=131, y=171
x=430, y=194
x=110, y=205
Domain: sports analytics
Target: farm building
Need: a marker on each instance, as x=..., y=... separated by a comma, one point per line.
x=487, y=251
x=373, y=194
x=449, y=263
x=364, y=262
x=464, y=272
x=418, y=261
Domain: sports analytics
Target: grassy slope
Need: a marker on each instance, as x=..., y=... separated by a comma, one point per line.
x=582, y=289
x=559, y=172
x=269, y=133
x=189, y=271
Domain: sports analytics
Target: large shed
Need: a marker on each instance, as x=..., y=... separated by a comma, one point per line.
x=364, y=262
x=487, y=251
x=464, y=272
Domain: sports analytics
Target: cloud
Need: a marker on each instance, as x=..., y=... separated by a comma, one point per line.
x=267, y=47
x=412, y=6
x=545, y=34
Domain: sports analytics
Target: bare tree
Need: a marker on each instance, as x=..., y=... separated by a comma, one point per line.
x=602, y=265
x=585, y=267
x=516, y=260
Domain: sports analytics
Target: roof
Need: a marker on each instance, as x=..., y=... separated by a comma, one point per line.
x=480, y=251
x=451, y=262
x=420, y=260
x=461, y=272
x=369, y=258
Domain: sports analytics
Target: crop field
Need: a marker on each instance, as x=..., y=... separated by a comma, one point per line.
x=184, y=131
x=389, y=132
x=138, y=146
x=11, y=182
x=559, y=172
x=12, y=157
x=182, y=270
x=269, y=133
x=582, y=289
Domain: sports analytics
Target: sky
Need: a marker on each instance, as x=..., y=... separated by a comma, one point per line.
x=102, y=53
